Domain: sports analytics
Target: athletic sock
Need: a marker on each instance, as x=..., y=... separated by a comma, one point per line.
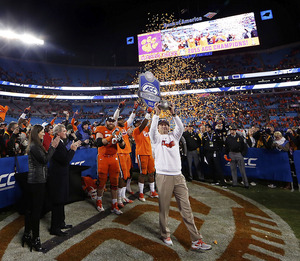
x=152, y=186
x=141, y=187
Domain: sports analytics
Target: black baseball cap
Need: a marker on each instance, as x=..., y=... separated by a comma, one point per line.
x=111, y=119
x=163, y=121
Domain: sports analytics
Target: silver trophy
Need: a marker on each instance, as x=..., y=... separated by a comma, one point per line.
x=164, y=105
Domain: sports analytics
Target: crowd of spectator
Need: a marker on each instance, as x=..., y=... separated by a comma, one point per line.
x=14, y=135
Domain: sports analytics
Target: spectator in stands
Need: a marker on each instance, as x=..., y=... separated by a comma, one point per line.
x=38, y=158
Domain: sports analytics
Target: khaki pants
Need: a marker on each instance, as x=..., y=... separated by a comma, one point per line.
x=166, y=186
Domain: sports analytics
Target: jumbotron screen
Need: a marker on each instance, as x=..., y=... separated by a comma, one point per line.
x=216, y=35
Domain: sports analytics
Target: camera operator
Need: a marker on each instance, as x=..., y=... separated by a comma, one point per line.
x=263, y=138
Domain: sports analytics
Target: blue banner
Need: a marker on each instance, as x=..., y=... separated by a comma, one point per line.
x=297, y=164
x=9, y=189
x=86, y=157
x=265, y=164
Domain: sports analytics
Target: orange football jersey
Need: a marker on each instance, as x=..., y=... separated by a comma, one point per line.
x=124, y=130
x=142, y=140
x=111, y=147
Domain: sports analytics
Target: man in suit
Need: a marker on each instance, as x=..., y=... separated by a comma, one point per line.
x=58, y=182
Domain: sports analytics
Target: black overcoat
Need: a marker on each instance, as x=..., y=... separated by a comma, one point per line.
x=58, y=181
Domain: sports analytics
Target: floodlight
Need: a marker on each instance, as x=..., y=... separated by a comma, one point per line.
x=25, y=38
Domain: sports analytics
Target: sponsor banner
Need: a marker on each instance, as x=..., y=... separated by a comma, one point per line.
x=9, y=189
x=297, y=164
x=265, y=164
x=86, y=157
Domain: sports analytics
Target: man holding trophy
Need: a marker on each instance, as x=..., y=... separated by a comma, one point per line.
x=169, y=179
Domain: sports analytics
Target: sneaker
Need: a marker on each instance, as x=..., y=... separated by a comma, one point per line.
x=199, y=244
x=115, y=209
x=127, y=200
x=120, y=204
x=168, y=241
x=153, y=194
x=99, y=205
x=271, y=186
x=130, y=192
x=141, y=197
x=92, y=193
x=252, y=183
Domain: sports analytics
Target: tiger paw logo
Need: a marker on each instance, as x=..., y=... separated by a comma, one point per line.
x=149, y=44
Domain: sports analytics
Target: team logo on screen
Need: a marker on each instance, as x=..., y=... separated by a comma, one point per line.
x=149, y=44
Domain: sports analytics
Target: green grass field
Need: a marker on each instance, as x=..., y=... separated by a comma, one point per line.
x=284, y=203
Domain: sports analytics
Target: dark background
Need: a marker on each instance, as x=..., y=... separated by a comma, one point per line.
x=93, y=32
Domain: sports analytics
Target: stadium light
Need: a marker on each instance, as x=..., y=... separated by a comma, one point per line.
x=25, y=38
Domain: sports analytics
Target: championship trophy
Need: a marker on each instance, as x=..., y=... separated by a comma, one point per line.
x=149, y=91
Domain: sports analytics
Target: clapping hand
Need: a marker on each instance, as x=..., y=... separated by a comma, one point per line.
x=75, y=145
x=55, y=142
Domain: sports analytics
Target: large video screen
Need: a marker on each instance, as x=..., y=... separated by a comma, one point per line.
x=216, y=35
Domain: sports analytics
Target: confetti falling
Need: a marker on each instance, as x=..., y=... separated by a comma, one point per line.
x=196, y=108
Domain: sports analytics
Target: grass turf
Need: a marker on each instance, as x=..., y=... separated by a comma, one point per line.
x=284, y=203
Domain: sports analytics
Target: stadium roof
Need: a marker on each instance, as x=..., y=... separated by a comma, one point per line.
x=93, y=32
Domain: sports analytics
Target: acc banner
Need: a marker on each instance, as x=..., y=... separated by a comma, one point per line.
x=297, y=164
x=9, y=191
x=149, y=88
x=265, y=164
x=86, y=157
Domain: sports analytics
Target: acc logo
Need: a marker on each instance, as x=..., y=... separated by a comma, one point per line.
x=78, y=163
x=250, y=163
x=147, y=87
x=6, y=180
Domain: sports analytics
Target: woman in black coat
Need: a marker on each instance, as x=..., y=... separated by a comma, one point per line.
x=38, y=158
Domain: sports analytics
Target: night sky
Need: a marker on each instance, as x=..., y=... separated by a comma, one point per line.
x=93, y=32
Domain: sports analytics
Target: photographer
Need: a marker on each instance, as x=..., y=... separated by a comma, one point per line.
x=71, y=137
x=263, y=138
x=10, y=139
